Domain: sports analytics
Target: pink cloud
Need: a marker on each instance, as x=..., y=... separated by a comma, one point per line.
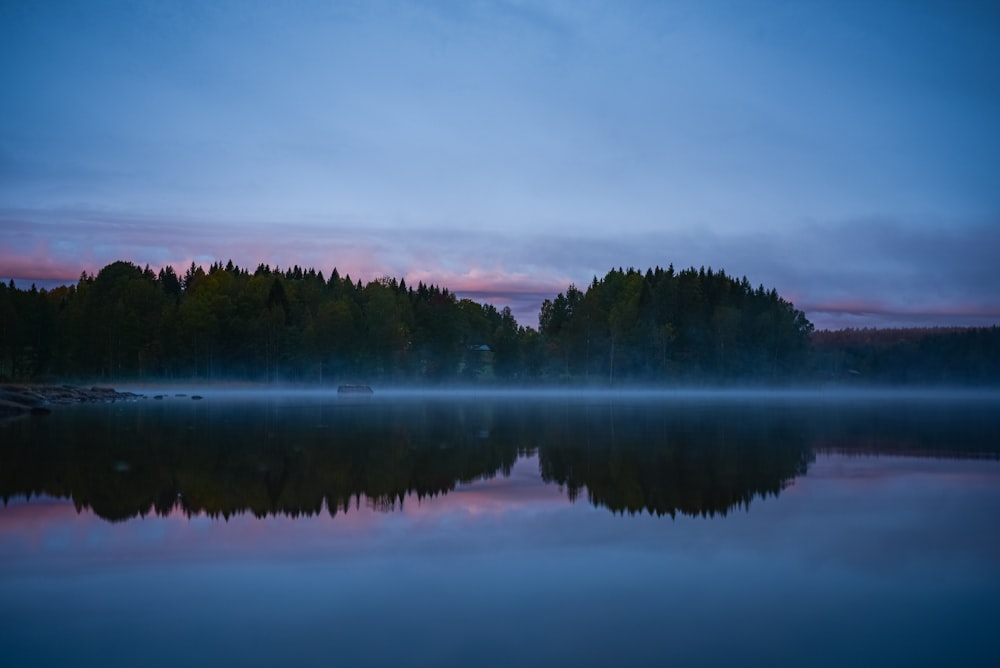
x=38, y=268
x=476, y=279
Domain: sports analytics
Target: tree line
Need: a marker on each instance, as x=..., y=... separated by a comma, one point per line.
x=269, y=325
x=934, y=355
x=225, y=322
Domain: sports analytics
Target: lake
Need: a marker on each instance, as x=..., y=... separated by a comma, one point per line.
x=499, y=529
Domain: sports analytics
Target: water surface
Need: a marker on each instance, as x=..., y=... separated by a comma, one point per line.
x=494, y=530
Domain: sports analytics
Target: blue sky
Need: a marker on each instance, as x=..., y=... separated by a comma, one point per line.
x=845, y=153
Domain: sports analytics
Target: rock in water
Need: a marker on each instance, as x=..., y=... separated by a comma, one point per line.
x=354, y=389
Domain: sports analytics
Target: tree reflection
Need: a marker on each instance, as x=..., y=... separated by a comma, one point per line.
x=634, y=459
x=222, y=458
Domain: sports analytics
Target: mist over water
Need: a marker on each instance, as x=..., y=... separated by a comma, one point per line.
x=808, y=395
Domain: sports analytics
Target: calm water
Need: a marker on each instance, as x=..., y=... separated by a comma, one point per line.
x=503, y=530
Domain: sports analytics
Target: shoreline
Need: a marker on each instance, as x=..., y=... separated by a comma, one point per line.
x=19, y=399
x=35, y=399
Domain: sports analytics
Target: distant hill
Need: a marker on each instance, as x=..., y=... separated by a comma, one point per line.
x=936, y=355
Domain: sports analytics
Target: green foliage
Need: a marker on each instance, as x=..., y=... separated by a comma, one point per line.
x=664, y=325
x=660, y=326
x=271, y=325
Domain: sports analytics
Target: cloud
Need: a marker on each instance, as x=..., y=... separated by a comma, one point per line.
x=840, y=315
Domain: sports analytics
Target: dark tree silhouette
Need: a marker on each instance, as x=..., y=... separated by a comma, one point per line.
x=657, y=326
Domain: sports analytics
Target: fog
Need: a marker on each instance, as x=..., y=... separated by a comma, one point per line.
x=734, y=395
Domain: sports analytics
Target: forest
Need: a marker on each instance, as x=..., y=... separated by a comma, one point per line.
x=661, y=326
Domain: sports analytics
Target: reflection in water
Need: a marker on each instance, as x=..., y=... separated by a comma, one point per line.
x=664, y=460
x=295, y=457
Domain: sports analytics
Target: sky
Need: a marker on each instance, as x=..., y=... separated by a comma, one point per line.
x=845, y=153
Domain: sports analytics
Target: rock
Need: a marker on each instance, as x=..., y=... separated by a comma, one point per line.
x=354, y=389
x=42, y=396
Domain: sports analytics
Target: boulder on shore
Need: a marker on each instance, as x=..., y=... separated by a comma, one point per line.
x=36, y=399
